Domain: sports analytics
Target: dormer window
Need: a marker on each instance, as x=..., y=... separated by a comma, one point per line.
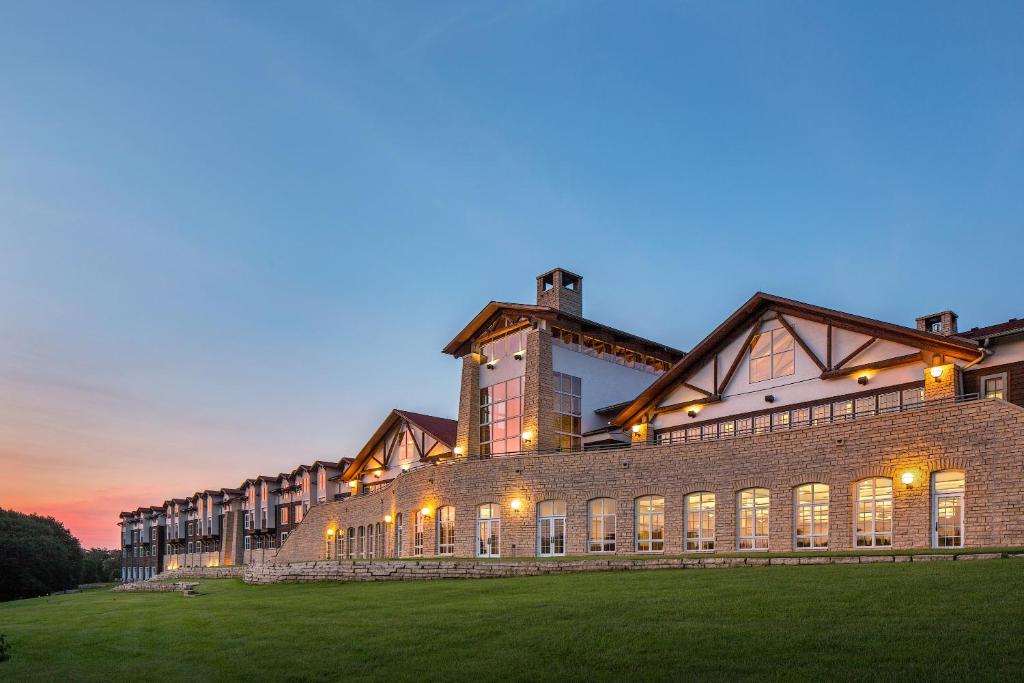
x=772, y=355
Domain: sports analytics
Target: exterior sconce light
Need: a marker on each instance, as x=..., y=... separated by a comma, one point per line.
x=691, y=412
x=516, y=504
x=330, y=532
x=862, y=380
x=490, y=365
x=907, y=479
x=377, y=473
x=636, y=429
x=518, y=355
x=527, y=435
x=353, y=483
x=770, y=398
x=387, y=519
x=405, y=467
x=425, y=512
x=936, y=372
x=457, y=450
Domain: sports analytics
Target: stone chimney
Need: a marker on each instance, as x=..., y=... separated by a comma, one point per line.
x=561, y=289
x=943, y=323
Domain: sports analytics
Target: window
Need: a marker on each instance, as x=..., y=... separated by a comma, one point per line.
x=284, y=537
x=873, y=512
x=568, y=412
x=398, y=534
x=693, y=434
x=191, y=529
x=699, y=510
x=284, y=515
x=190, y=546
x=298, y=513
x=350, y=547
x=913, y=397
x=948, y=509
x=505, y=347
x=842, y=409
x=780, y=421
x=727, y=429
x=417, y=534
x=772, y=355
x=248, y=519
x=650, y=524
x=488, y=535
x=259, y=542
x=762, y=423
x=551, y=528
x=361, y=554
x=369, y=542
x=709, y=431
x=812, y=516
x=820, y=415
x=889, y=402
x=406, y=448
x=446, y=530
x=994, y=386
x=801, y=417
x=753, y=519
x=501, y=417
x=865, y=405
x=744, y=425
x=602, y=526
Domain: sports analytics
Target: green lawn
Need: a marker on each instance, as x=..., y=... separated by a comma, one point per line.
x=951, y=620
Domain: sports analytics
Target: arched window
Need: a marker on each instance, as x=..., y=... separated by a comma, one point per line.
x=350, y=547
x=369, y=542
x=650, y=524
x=398, y=534
x=551, y=528
x=873, y=513
x=362, y=543
x=417, y=534
x=488, y=535
x=948, y=509
x=602, y=525
x=699, y=522
x=446, y=530
x=812, y=516
x=752, y=519
x=379, y=543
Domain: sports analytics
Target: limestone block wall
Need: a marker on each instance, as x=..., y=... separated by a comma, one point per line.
x=983, y=438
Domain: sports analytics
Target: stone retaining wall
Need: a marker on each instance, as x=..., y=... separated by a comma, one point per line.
x=407, y=570
x=234, y=572
x=156, y=587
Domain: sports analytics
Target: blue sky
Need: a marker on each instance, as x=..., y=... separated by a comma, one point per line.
x=235, y=234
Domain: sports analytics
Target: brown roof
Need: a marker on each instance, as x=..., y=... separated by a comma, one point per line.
x=458, y=346
x=757, y=305
x=441, y=428
x=999, y=329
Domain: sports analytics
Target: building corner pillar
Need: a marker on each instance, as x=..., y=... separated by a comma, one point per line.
x=467, y=439
x=539, y=393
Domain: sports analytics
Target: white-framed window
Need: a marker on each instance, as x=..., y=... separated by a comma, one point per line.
x=350, y=545
x=948, y=509
x=801, y=417
x=780, y=421
x=406, y=448
x=190, y=546
x=762, y=424
x=417, y=534
x=821, y=414
x=501, y=417
x=889, y=402
x=399, y=532
x=369, y=542
x=650, y=524
x=709, y=431
x=446, y=530
x=247, y=544
x=488, y=534
x=873, y=513
x=752, y=519
x=259, y=541
x=744, y=425
x=772, y=355
x=284, y=537
x=693, y=434
x=505, y=346
x=727, y=429
x=699, y=522
x=602, y=525
x=994, y=386
x=568, y=411
x=551, y=528
x=913, y=397
x=191, y=529
x=284, y=515
x=298, y=512
x=864, y=406
x=361, y=553
x=842, y=409
x=811, y=516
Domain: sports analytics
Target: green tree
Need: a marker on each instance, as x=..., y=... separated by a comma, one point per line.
x=38, y=555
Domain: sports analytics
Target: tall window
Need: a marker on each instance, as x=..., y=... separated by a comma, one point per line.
x=284, y=515
x=369, y=542
x=812, y=516
x=398, y=534
x=488, y=534
x=772, y=355
x=505, y=347
x=874, y=513
x=602, y=526
x=350, y=547
x=994, y=386
x=406, y=448
x=417, y=534
x=753, y=519
x=551, y=528
x=362, y=543
x=650, y=524
x=501, y=417
x=568, y=412
x=948, y=509
x=298, y=513
x=699, y=509
x=446, y=530
x=379, y=543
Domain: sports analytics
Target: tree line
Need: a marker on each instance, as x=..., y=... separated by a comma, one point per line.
x=38, y=556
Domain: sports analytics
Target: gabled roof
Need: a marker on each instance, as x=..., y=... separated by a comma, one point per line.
x=440, y=428
x=761, y=303
x=1011, y=326
x=458, y=346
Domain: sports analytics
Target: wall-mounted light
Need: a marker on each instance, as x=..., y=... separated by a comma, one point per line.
x=770, y=398
x=353, y=483
x=518, y=355
x=515, y=504
x=425, y=511
x=862, y=380
x=457, y=450
x=907, y=479
x=387, y=519
x=637, y=429
x=330, y=532
x=490, y=365
x=691, y=412
x=527, y=435
x=405, y=467
x=936, y=373
x=377, y=473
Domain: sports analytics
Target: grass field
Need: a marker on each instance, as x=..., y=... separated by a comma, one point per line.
x=935, y=620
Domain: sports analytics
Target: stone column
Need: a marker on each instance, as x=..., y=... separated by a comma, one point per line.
x=539, y=392
x=468, y=434
x=947, y=385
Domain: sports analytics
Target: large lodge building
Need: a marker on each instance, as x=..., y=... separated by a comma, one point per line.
x=789, y=427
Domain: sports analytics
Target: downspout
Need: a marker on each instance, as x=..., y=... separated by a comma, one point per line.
x=983, y=353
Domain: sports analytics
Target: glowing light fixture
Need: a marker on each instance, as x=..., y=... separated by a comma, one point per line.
x=636, y=429
x=353, y=483
x=862, y=380
x=691, y=412
x=330, y=531
x=377, y=473
x=527, y=435
x=516, y=504
x=425, y=512
x=907, y=478
x=405, y=467
x=936, y=372
x=457, y=450
x=388, y=518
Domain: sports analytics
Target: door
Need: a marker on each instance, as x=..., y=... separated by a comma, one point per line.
x=949, y=520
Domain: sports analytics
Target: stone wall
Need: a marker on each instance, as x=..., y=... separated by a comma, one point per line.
x=411, y=570
x=201, y=573
x=983, y=438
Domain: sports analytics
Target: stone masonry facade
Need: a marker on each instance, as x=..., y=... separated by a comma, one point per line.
x=980, y=438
